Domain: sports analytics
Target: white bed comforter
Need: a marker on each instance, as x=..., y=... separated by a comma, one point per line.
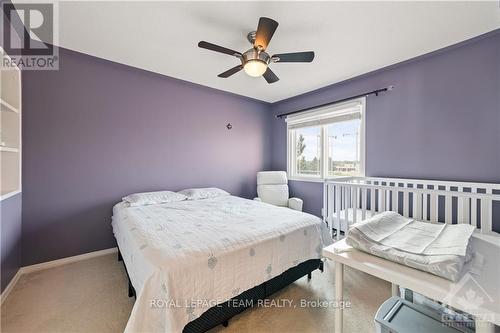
x=187, y=256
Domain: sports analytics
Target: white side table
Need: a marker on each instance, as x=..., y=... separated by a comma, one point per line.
x=486, y=286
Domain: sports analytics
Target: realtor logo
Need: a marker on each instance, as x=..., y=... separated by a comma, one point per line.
x=472, y=298
x=28, y=36
x=469, y=293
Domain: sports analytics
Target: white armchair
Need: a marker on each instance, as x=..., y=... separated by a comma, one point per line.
x=272, y=188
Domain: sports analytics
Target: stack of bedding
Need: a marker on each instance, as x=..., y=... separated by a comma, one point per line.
x=437, y=248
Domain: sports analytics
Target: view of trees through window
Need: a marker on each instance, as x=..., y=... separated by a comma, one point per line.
x=308, y=151
x=343, y=153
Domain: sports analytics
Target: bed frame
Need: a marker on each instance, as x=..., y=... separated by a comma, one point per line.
x=425, y=200
x=220, y=315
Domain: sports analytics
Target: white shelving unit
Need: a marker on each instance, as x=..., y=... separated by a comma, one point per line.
x=10, y=130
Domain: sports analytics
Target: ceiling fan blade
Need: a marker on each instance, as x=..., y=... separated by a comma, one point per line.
x=217, y=48
x=231, y=71
x=294, y=57
x=270, y=76
x=265, y=32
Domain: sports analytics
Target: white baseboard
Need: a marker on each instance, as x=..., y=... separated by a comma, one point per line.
x=64, y=261
x=51, y=264
x=10, y=286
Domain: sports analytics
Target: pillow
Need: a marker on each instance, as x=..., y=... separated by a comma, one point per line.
x=203, y=193
x=153, y=198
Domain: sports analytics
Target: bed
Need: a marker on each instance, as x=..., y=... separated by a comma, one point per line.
x=189, y=261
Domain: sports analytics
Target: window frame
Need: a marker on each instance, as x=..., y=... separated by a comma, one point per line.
x=317, y=114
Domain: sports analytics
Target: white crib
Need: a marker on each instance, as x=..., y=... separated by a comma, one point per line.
x=348, y=200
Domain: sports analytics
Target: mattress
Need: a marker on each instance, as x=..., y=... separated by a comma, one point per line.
x=186, y=257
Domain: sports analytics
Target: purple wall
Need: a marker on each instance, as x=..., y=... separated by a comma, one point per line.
x=442, y=120
x=10, y=238
x=95, y=131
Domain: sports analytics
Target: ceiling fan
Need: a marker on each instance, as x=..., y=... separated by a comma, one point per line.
x=256, y=61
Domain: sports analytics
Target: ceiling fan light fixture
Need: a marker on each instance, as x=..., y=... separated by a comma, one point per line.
x=255, y=67
x=255, y=61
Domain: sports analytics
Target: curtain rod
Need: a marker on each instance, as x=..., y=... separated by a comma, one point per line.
x=374, y=92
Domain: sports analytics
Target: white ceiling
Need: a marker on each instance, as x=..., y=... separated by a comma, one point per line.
x=349, y=38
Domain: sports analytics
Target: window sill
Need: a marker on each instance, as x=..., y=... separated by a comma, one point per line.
x=319, y=180
x=304, y=179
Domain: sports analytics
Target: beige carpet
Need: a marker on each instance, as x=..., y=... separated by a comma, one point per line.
x=91, y=296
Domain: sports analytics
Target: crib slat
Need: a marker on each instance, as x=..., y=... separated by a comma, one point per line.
x=351, y=199
x=486, y=215
x=447, y=208
x=417, y=207
x=395, y=200
x=473, y=212
x=434, y=207
x=346, y=206
x=372, y=200
x=462, y=210
x=406, y=203
x=425, y=205
x=414, y=196
x=466, y=210
x=342, y=197
x=363, y=203
x=331, y=205
x=338, y=202
x=354, y=205
x=348, y=197
x=327, y=203
x=381, y=200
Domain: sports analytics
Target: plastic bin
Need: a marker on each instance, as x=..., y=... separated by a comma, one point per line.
x=397, y=315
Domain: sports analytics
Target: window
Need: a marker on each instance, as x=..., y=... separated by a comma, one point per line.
x=308, y=151
x=327, y=142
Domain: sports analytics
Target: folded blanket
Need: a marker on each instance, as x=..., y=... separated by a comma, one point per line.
x=440, y=249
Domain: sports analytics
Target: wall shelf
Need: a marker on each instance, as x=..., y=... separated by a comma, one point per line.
x=4, y=106
x=8, y=193
x=9, y=149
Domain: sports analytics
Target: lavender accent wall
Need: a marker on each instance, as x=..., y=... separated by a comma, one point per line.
x=442, y=120
x=95, y=131
x=10, y=238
